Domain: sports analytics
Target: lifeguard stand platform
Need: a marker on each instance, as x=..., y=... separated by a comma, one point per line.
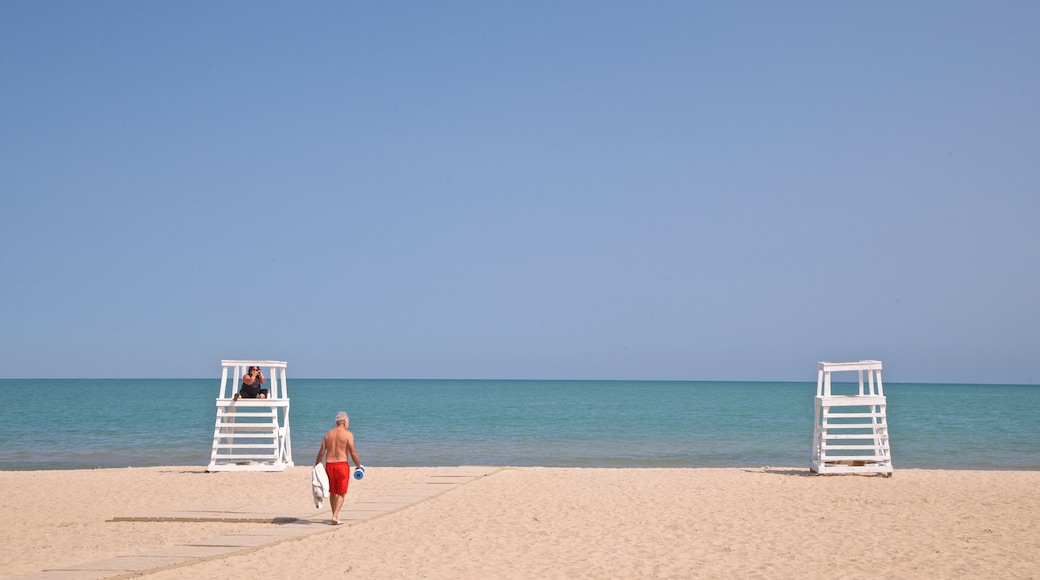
x=851, y=430
x=251, y=434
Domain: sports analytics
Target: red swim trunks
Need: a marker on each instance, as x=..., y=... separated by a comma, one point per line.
x=339, y=476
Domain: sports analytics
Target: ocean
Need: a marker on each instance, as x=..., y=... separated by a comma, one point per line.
x=88, y=423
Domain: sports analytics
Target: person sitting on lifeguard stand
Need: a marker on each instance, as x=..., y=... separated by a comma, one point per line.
x=251, y=385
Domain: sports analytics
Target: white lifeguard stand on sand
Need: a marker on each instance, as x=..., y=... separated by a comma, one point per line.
x=851, y=431
x=251, y=434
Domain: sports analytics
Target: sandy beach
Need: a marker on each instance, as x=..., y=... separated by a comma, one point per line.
x=758, y=522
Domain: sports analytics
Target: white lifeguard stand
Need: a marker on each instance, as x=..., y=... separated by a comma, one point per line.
x=251, y=434
x=851, y=431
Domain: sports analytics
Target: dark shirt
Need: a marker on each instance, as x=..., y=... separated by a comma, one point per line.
x=250, y=391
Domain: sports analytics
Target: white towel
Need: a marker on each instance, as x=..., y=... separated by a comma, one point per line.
x=319, y=485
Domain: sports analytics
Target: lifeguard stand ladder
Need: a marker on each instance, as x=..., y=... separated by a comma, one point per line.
x=851, y=431
x=251, y=434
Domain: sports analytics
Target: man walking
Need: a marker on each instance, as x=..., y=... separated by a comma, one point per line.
x=335, y=446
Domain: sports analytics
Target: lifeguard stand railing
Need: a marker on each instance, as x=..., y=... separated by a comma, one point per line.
x=851, y=431
x=252, y=434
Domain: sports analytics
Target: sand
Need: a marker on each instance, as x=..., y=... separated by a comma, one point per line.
x=552, y=523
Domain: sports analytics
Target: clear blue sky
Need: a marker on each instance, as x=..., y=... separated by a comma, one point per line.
x=588, y=190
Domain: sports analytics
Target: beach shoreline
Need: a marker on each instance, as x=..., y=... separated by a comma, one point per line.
x=551, y=522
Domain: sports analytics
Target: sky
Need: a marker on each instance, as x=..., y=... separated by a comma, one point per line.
x=520, y=190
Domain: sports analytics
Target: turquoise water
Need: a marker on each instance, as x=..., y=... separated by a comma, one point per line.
x=76, y=424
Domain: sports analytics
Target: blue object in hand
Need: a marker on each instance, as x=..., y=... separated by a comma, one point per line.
x=359, y=472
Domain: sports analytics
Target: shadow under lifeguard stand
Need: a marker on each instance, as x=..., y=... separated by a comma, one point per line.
x=251, y=434
x=851, y=431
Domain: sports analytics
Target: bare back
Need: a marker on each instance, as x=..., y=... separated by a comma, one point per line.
x=337, y=445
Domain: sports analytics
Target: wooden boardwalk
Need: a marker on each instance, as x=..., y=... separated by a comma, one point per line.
x=279, y=527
